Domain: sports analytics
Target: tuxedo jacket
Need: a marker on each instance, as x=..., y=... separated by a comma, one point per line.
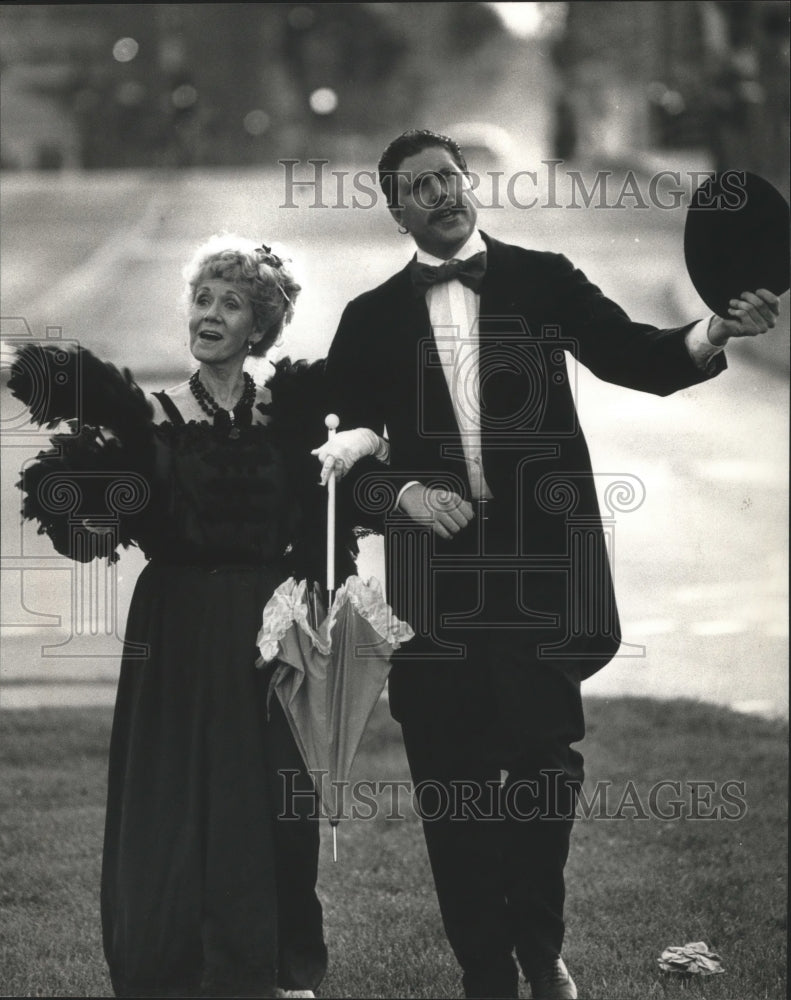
x=550, y=595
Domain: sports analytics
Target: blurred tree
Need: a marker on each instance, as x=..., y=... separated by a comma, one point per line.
x=748, y=97
x=223, y=83
x=471, y=26
x=216, y=60
x=350, y=49
x=710, y=76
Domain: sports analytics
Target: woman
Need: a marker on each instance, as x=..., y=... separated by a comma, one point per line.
x=204, y=889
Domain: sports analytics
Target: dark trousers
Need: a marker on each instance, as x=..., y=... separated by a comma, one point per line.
x=497, y=851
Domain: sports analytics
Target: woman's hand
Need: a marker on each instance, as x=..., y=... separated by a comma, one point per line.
x=347, y=447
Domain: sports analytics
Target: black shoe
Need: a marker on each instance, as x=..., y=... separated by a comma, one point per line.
x=553, y=983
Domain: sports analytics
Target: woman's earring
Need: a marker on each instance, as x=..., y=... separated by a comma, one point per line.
x=403, y=230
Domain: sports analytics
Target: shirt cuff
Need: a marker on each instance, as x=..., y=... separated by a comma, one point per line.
x=382, y=453
x=402, y=491
x=700, y=348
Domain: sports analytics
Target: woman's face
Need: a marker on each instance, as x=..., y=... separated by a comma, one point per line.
x=221, y=322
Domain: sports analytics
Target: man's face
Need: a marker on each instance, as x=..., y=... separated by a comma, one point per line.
x=434, y=202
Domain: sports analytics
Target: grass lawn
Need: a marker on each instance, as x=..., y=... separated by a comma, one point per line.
x=636, y=883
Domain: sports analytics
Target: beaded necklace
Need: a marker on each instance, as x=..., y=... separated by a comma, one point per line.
x=212, y=408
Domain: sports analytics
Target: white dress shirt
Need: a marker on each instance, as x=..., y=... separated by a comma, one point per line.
x=453, y=310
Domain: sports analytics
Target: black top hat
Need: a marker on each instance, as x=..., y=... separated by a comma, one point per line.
x=736, y=238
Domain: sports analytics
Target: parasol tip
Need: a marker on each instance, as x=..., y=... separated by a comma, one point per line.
x=331, y=421
x=334, y=840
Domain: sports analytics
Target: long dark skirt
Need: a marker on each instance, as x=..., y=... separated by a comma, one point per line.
x=204, y=890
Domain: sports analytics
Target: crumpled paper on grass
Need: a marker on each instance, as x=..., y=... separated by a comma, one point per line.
x=693, y=959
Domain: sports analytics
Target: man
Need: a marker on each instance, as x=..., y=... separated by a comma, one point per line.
x=494, y=543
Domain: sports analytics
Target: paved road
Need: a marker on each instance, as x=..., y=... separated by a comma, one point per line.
x=700, y=567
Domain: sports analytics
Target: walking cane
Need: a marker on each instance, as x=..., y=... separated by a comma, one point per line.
x=331, y=422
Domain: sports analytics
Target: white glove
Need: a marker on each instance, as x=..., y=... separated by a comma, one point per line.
x=347, y=447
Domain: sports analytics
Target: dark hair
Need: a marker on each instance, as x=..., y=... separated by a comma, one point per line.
x=413, y=141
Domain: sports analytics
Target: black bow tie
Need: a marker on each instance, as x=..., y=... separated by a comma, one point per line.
x=469, y=272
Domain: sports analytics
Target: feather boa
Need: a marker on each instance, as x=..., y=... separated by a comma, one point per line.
x=91, y=462
x=57, y=385
x=75, y=387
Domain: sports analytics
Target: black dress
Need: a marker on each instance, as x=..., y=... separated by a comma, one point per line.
x=205, y=890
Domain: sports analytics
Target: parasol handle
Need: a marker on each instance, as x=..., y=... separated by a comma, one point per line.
x=331, y=422
x=334, y=825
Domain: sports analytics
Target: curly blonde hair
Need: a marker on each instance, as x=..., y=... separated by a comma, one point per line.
x=265, y=277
